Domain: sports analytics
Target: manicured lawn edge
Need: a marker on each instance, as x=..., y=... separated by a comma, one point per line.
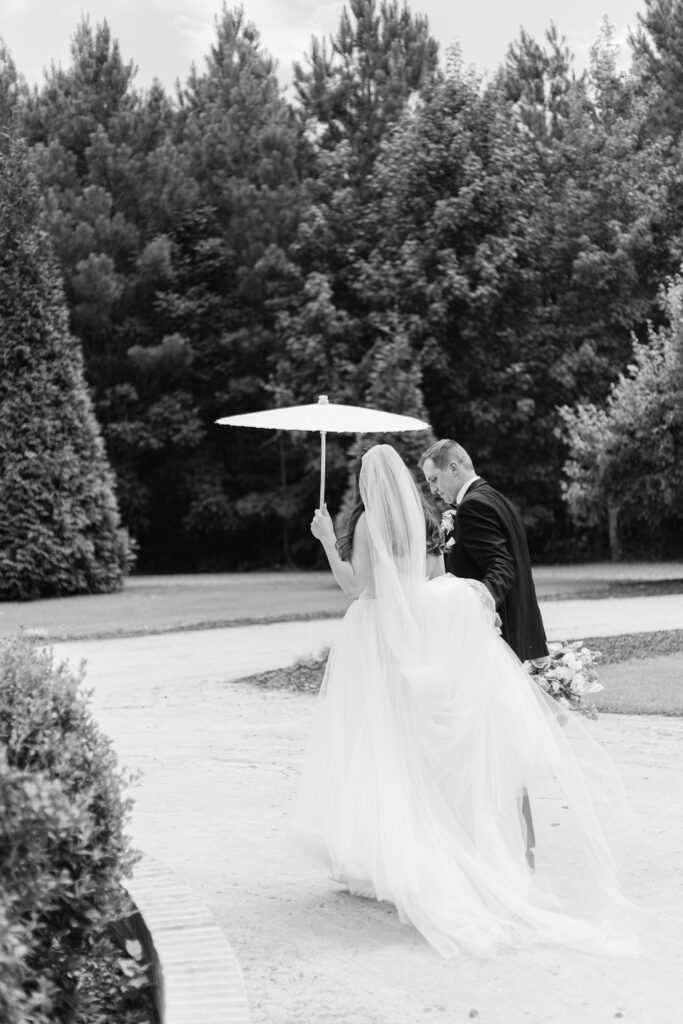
x=49, y=636
x=630, y=646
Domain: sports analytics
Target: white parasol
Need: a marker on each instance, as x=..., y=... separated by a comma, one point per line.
x=327, y=417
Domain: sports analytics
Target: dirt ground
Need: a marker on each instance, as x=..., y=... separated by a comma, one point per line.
x=220, y=762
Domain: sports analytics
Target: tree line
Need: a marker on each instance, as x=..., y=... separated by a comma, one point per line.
x=489, y=253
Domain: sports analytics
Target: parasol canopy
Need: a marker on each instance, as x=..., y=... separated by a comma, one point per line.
x=326, y=417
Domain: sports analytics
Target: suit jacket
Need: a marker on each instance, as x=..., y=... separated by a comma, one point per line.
x=491, y=546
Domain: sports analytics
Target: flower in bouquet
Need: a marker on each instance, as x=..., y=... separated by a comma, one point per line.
x=569, y=675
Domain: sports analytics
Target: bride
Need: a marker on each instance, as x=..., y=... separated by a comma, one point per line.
x=426, y=730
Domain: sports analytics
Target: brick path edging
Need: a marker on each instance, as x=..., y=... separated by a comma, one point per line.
x=196, y=974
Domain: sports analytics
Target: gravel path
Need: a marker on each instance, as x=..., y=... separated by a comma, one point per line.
x=220, y=762
x=214, y=803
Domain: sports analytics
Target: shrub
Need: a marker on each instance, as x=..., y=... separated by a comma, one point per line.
x=15, y=1007
x=63, y=850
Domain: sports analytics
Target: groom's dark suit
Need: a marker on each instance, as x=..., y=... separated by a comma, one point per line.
x=491, y=546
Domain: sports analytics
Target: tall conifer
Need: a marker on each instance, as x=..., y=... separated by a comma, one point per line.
x=59, y=520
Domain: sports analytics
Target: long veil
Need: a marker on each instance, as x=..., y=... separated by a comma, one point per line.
x=398, y=551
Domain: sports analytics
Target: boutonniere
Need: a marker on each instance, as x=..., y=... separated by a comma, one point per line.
x=448, y=526
x=448, y=520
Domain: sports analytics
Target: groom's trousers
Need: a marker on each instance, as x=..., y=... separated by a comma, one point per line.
x=525, y=811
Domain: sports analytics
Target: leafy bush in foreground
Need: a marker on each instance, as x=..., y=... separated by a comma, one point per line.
x=63, y=850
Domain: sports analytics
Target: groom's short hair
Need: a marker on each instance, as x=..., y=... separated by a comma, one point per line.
x=445, y=451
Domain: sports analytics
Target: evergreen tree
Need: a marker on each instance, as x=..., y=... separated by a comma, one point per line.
x=538, y=81
x=90, y=93
x=242, y=144
x=115, y=186
x=171, y=224
x=394, y=382
x=351, y=98
x=13, y=90
x=59, y=521
x=380, y=56
x=658, y=51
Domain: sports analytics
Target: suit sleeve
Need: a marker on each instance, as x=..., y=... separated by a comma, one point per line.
x=482, y=536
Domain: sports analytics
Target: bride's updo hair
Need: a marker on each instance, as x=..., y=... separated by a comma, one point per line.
x=435, y=538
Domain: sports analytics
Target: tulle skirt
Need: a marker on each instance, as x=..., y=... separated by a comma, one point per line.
x=412, y=784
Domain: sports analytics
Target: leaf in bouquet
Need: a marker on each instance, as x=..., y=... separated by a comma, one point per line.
x=595, y=688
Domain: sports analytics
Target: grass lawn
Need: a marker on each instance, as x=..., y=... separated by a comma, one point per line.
x=161, y=604
x=644, y=686
x=636, y=679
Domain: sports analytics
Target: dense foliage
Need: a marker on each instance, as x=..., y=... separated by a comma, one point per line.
x=63, y=848
x=625, y=464
x=487, y=248
x=59, y=523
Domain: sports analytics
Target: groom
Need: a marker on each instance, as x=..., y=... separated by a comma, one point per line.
x=488, y=543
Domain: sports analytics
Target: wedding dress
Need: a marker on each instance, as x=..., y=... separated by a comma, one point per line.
x=426, y=730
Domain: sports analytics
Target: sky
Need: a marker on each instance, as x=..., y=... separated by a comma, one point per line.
x=164, y=37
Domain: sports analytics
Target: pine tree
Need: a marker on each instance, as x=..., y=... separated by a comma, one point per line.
x=380, y=56
x=59, y=520
x=658, y=51
x=393, y=385
x=13, y=89
x=538, y=82
x=91, y=93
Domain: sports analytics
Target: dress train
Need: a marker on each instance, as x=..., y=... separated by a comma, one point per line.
x=413, y=775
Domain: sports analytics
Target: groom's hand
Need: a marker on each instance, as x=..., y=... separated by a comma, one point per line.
x=321, y=525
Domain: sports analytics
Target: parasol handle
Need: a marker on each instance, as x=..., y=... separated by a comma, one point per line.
x=322, y=469
x=322, y=400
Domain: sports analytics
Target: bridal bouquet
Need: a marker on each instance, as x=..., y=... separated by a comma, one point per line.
x=569, y=676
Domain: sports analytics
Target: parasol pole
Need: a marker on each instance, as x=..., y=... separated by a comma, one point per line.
x=322, y=470
x=322, y=400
